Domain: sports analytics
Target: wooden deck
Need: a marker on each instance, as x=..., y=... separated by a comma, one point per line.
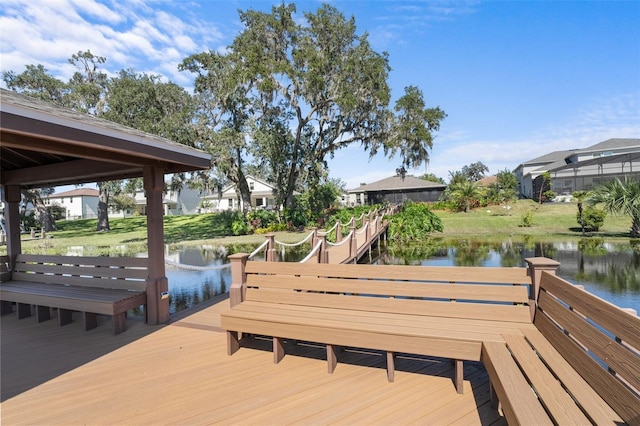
x=180, y=374
x=340, y=253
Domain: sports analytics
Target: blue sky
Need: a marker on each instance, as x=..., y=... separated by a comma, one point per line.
x=517, y=79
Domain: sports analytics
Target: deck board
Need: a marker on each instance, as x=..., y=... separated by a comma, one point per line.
x=180, y=374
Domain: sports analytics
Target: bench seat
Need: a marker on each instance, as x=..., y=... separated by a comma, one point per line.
x=90, y=285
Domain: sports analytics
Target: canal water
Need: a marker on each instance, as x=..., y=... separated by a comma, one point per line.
x=609, y=270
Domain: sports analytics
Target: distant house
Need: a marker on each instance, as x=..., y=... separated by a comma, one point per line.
x=80, y=203
x=580, y=169
x=397, y=190
x=185, y=201
x=229, y=198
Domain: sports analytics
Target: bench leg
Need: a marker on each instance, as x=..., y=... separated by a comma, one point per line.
x=23, y=310
x=119, y=322
x=458, y=379
x=64, y=316
x=233, y=342
x=391, y=366
x=278, y=349
x=5, y=307
x=332, y=359
x=43, y=313
x=89, y=320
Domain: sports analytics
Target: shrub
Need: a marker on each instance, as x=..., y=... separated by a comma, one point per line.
x=414, y=222
x=526, y=220
x=593, y=218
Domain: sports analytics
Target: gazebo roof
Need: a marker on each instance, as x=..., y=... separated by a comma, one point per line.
x=44, y=145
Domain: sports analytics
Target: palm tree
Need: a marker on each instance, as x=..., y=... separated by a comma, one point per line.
x=464, y=193
x=580, y=196
x=620, y=198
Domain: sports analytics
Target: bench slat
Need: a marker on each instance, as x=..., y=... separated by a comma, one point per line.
x=124, y=262
x=592, y=403
x=616, y=394
x=519, y=403
x=490, y=329
x=618, y=358
x=609, y=316
x=404, y=272
x=87, y=271
x=480, y=292
x=557, y=402
x=81, y=281
x=401, y=306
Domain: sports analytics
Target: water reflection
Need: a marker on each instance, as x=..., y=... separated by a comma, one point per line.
x=610, y=270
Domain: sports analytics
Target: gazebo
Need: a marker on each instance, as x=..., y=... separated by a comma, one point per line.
x=42, y=145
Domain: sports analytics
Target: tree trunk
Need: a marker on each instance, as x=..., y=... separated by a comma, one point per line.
x=103, y=207
x=635, y=227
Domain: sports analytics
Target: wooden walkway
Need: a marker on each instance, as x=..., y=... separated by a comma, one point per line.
x=180, y=374
x=341, y=253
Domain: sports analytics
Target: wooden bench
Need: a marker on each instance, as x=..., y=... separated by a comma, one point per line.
x=435, y=311
x=580, y=365
x=92, y=285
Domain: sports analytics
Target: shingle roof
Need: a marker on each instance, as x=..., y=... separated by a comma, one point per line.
x=613, y=143
x=551, y=157
x=396, y=183
x=87, y=192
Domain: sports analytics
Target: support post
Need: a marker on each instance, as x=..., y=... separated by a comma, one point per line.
x=338, y=232
x=536, y=266
x=238, y=278
x=323, y=253
x=157, y=283
x=270, y=255
x=11, y=199
x=353, y=244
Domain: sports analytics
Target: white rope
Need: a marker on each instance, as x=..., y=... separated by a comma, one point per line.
x=313, y=252
x=364, y=228
x=334, y=227
x=295, y=244
x=344, y=240
x=256, y=251
x=194, y=267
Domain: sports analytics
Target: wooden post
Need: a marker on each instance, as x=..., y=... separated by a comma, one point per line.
x=270, y=255
x=157, y=283
x=536, y=266
x=314, y=238
x=238, y=278
x=323, y=253
x=338, y=232
x=12, y=197
x=353, y=244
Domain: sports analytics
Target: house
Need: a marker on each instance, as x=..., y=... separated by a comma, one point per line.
x=229, y=198
x=79, y=203
x=580, y=169
x=185, y=201
x=396, y=189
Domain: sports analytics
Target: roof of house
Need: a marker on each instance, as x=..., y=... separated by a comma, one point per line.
x=397, y=183
x=627, y=157
x=551, y=157
x=78, y=192
x=613, y=143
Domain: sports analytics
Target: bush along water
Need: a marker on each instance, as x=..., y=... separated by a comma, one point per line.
x=413, y=222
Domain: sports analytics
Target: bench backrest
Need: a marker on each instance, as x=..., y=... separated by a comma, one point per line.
x=129, y=273
x=500, y=294
x=600, y=340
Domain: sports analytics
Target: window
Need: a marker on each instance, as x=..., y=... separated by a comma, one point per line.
x=230, y=203
x=70, y=200
x=251, y=185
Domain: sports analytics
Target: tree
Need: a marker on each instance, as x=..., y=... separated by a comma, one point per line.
x=475, y=171
x=545, y=178
x=122, y=202
x=506, y=179
x=465, y=194
x=620, y=198
x=42, y=214
x=432, y=178
x=305, y=90
x=580, y=196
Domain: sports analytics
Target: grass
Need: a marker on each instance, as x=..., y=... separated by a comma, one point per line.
x=129, y=235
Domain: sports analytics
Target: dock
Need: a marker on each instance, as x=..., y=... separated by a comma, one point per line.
x=180, y=374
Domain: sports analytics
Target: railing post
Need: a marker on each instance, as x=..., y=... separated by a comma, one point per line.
x=536, y=266
x=353, y=243
x=314, y=238
x=323, y=254
x=270, y=254
x=238, y=278
x=367, y=233
x=338, y=232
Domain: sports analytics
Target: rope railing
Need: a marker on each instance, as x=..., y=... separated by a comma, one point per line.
x=262, y=247
x=313, y=252
x=295, y=244
x=363, y=229
x=344, y=240
x=196, y=268
x=328, y=231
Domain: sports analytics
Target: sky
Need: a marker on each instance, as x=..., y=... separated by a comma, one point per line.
x=517, y=79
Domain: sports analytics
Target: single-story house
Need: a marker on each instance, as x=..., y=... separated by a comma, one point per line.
x=185, y=201
x=396, y=189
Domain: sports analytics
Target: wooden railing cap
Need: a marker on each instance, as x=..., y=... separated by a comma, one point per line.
x=542, y=262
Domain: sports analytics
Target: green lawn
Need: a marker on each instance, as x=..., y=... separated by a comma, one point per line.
x=129, y=235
